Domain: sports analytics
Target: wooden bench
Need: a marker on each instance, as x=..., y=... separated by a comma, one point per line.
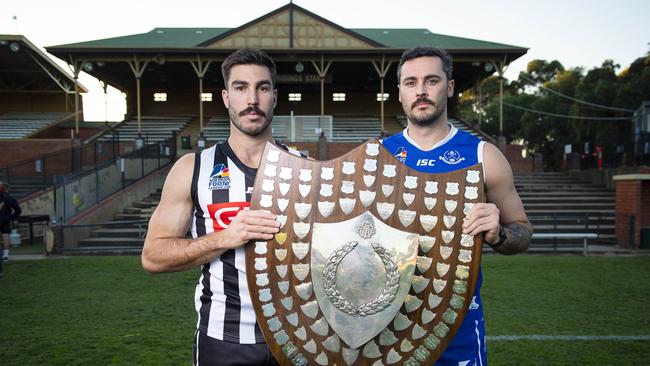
x=584, y=236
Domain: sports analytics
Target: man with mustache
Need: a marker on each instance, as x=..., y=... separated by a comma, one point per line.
x=431, y=144
x=210, y=193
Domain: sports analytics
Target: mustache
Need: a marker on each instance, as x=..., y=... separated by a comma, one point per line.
x=422, y=100
x=252, y=109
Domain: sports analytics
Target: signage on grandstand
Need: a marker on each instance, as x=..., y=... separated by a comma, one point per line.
x=301, y=79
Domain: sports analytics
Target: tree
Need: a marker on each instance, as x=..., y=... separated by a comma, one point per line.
x=548, y=87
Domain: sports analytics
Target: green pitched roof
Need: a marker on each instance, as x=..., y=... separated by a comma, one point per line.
x=156, y=38
x=407, y=38
x=191, y=37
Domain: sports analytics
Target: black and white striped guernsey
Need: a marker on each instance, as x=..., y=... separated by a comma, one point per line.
x=222, y=186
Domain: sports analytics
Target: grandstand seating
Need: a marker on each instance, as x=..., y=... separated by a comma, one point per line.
x=154, y=129
x=356, y=128
x=218, y=128
x=557, y=203
x=344, y=128
x=18, y=125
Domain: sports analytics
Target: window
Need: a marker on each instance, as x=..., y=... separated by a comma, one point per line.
x=206, y=97
x=381, y=97
x=295, y=97
x=159, y=97
x=338, y=97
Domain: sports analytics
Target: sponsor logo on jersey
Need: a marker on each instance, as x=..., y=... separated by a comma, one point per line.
x=219, y=178
x=426, y=162
x=222, y=213
x=451, y=157
x=401, y=154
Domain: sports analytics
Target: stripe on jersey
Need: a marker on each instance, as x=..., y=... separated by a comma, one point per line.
x=209, y=158
x=198, y=227
x=232, y=316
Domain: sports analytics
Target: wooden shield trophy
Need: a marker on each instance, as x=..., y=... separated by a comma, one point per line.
x=370, y=266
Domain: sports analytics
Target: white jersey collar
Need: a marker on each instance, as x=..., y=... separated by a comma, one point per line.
x=452, y=132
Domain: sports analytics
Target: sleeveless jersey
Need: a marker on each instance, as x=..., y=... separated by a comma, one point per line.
x=222, y=186
x=457, y=150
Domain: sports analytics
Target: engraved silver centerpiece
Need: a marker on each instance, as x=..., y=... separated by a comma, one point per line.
x=361, y=270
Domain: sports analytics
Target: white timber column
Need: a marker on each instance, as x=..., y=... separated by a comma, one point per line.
x=382, y=70
x=138, y=68
x=200, y=68
x=321, y=69
x=501, y=68
x=76, y=69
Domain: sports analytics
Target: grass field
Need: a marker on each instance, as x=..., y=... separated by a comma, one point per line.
x=106, y=311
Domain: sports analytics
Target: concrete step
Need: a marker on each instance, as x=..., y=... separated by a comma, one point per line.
x=133, y=210
x=559, y=187
x=549, y=212
x=145, y=204
x=603, y=237
x=568, y=198
x=111, y=242
x=118, y=224
x=568, y=206
x=563, y=194
x=543, y=223
x=112, y=250
x=539, y=228
x=120, y=233
x=132, y=217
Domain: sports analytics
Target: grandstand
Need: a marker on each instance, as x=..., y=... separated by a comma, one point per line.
x=328, y=77
x=335, y=129
x=152, y=129
x=303, y=128
x=18, y=125
x=355, y=128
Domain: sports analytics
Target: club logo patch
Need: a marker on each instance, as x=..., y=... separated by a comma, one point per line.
x=219, y=178
x=451, y=157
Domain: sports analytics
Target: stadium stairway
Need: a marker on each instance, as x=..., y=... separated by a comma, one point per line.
x=557, y=203
x=124, y=235
x=553, y=202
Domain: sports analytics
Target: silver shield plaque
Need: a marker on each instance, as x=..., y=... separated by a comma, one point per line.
x=370, y=266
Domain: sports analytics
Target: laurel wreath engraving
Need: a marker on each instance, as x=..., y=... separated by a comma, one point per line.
x=380, y=302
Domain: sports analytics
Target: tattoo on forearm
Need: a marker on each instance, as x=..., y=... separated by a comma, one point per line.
x=519, y=237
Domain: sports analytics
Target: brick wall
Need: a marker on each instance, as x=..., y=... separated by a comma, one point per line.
x=519, y=164
x=645, y=204
x=632, y=200
x=17, y=150
x=628, y=194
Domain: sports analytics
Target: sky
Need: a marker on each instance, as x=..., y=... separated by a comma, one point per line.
x=578, y=33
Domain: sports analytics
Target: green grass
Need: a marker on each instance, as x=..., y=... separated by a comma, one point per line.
x=106, y=311
x=95, y=311
x=596, y=296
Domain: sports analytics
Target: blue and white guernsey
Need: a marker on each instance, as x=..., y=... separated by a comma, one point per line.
x=457, y=150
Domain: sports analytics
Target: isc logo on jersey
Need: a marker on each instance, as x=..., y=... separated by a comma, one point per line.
x=219, y=178
x=222, y=213
x=426, y=162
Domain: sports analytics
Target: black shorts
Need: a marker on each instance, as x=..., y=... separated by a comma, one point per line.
x=5, y=227
x=210, y=351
